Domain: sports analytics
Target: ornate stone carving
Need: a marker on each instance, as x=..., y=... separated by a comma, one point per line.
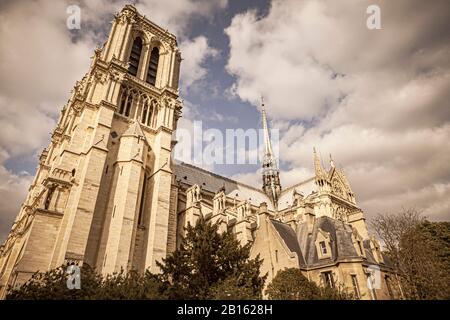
x=161, y=35
x=99, y=76
x=340, y=212
x=115, y=75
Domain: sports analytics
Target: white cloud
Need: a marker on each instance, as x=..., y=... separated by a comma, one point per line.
x=195, y=53
x=13, y=189
x=377, y=100
x=175, y=15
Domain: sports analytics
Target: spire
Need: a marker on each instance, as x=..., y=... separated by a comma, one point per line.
x=320, y=173
x=331, y=162
x=267, y=143
x=271, y=175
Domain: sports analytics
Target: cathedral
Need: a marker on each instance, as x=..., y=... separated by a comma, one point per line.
x=108, y=193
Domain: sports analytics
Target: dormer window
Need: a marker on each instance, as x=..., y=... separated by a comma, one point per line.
x=323, y=244
x=358, y=243
x=135, y=56
x=376, y=251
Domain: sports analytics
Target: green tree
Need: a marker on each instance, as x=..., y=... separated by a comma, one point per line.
x=208, y=265
x=291, y=284
x=419, y=251
x=131, y=286
x=211, y=265
x=52, y=285
x=338, y=292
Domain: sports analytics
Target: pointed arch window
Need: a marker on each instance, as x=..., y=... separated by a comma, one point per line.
x=144, y=113
x=154, y=116
x=48, y=199
x=125, y=103
x=147, y=112
x=128, y=105
x=142, y=204
x=153, y=66
x=135, y=56
x=150, y=114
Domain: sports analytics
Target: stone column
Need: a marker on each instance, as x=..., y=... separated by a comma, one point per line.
x=161, y=180
x=125, y=200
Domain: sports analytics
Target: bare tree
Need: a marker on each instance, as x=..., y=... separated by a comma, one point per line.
x=391, y=228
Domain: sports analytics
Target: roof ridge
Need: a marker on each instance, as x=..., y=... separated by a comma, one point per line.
x=219, y=176
x=297, y=184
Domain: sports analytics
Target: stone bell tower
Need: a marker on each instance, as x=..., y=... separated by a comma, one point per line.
x=102, y=190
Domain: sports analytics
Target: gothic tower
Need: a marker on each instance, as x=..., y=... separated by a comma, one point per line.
x=102, y=190
x=270, y=172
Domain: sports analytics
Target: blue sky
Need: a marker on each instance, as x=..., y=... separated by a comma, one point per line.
x=375, y=99
x=211, y=95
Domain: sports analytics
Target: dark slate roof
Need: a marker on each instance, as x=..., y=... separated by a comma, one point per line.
x=303, y=243
x=369, y=254
x=371, y=259
x=290, y=239
x=190, y=175
x=340, y=241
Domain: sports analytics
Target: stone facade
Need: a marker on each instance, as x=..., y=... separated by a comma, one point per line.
x=107, y=193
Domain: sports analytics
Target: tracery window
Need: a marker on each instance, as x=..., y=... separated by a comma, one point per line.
x=138, y=105
x=337, y=187
x=147, y=112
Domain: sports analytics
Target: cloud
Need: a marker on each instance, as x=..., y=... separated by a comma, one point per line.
x=189, y=137
x=376, y=99
x=13, y=189
x=176, y=15
x=196, y=51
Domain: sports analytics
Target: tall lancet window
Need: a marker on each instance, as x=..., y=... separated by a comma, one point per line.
x=125, y=103
x=153, y=66
x=142, y=204
x=146, y=113
x=135, y=56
